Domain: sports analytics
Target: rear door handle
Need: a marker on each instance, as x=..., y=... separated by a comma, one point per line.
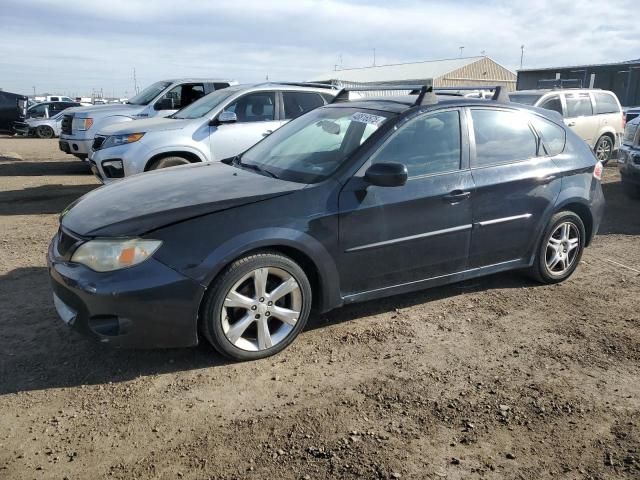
x=456, y=196
x=267, y=133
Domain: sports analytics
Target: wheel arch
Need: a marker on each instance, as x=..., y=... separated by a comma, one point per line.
x=187, y=155
x=583, y=211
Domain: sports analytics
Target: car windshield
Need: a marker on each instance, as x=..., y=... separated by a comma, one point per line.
x=204, y=105
x=310, y=148
x=148, y=94
x=525, y=99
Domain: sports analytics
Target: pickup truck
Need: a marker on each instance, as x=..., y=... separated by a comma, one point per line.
x=79, y=125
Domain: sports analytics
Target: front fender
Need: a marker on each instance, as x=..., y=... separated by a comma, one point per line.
x=227, y=252
x=201, y=154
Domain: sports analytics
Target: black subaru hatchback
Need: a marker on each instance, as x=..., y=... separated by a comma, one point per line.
x=353, y=201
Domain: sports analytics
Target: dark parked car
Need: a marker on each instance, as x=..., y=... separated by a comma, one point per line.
x=13, y=108
x=350, y=202
x=49, y=109
x=629, y=158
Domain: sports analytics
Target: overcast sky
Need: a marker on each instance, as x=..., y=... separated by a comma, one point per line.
x=74, y=46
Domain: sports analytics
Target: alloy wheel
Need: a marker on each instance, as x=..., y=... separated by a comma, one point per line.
x=261, y=309
x=604, y=149
x=562, y=248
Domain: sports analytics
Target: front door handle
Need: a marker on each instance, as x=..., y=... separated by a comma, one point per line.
x=267, y=133
x=456, y=196
x=571, y=124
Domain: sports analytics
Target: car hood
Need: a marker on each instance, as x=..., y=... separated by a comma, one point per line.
x=107, y=109
x=151, y=200
x=159, y=124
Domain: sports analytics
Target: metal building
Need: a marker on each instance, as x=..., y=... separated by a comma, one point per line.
x=456, y=72
x=621, y=78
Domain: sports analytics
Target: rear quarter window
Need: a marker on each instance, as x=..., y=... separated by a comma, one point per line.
x=553, y=136
x=605, y=103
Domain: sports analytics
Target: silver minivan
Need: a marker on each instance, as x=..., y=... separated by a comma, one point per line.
x=594, y=114
x=220, y=125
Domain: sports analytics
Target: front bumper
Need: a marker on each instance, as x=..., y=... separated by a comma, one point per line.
x=145, y=306
x=629, y=164
x=78, y=146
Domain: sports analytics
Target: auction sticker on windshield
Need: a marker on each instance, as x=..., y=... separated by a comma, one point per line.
x=368, y=118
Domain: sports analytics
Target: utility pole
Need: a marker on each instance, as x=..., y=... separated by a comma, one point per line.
x=374, y=57
x=521, y=55
x=34, y=90
x=461, y=49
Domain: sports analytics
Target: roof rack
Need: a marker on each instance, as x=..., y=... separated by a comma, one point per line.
x=560, y=83
x=303, y=84
x=427, y=95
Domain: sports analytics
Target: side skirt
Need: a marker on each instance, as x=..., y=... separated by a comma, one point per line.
x=437, y=281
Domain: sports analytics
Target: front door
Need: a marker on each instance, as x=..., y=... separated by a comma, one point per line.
x=516, y=184
x=396, y=235
x=257, y=118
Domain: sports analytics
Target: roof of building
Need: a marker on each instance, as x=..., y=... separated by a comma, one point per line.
x=398, y=71
x=592, y=65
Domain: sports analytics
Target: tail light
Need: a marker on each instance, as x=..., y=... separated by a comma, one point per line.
x=597, y=171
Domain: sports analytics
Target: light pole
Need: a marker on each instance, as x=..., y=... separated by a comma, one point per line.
x=521, y=55
x=461, y=49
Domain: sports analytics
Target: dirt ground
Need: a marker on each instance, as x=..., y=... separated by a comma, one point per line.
x=491, y=378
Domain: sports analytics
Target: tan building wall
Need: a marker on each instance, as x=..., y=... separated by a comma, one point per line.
x=483, y=72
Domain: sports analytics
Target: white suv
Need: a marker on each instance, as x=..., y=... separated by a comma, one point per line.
x=595, y=115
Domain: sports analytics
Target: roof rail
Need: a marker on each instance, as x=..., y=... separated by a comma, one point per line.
x=301, y=84
x=424, y=93
x=499, y=92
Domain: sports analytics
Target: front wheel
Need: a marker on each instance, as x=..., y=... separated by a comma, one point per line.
x=44, y=131
x=604, y=149
x=257, y=306
x=167, y=162
x=560, y=249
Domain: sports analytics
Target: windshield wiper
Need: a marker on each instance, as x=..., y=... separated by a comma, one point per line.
x=254, y=167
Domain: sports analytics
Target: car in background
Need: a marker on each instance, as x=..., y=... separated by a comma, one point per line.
x=629, y=113
x=629, y=158
x=218, y=126
x=49, y=109
x=13, y=108
x=40, y=127
x=161, y=99
x=349, y=202
x=594, y=114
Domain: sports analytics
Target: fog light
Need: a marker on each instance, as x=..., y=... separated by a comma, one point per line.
x=113, y=168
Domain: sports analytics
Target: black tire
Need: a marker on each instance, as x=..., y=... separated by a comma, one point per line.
x=540, y=270
x=604, y=149
x=212, y=309
x=44, y=131
x=631, y=190
x=167, y=162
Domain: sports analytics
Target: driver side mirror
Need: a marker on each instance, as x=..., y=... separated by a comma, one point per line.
x=227, y=117
x=389, y=174
x=164, y=104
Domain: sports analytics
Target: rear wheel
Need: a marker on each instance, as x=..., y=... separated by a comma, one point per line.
x=167, y=162
x=560, y=249
x=257, y=306
x=44, y=131
x=604, y=149
x=631, y=190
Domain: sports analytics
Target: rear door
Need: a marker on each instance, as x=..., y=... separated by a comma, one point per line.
x=579, y=116
x=608, y=111
x=258, y=116
x=395, y=235
x=516, y=185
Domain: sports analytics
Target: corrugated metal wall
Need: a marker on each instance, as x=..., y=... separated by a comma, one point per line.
x=483, y=72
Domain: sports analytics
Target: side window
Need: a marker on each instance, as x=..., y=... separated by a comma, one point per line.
x=426, y=145
x=38, y=110
x=605, y=103
x=254, y=107
x=553, y=136
x=502, y=136
x=220, y=86
x=578, y=105
x=54, y=99
x=297, y=103
x=552, y=103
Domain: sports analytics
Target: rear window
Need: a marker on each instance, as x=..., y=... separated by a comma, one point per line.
x=578, y=105
x=553, y=136
x=502, y=137
x=298, y=103
x=525, y=99
x=605, y=103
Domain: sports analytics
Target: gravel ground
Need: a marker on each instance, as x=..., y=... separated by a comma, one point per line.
x=491, y=378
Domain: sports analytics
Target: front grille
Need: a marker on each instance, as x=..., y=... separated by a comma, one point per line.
x=66, y=124
x=66, y=243
x=97, y=142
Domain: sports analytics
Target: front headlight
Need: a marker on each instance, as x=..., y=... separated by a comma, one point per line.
x=104, y=255
x=116, y=140
x=81, y=123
